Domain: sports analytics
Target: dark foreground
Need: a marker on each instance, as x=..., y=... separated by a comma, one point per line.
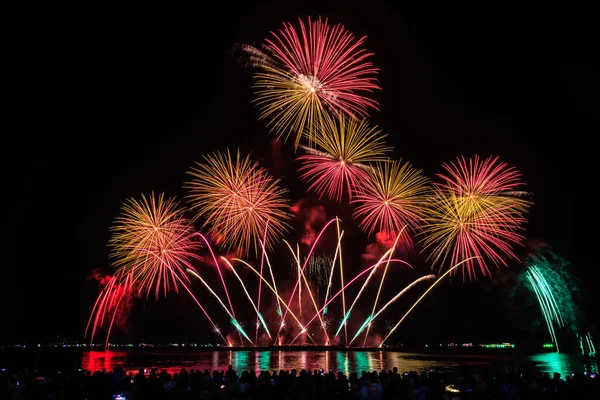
x=294, y=385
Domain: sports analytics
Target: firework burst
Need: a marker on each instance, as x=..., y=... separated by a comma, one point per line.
x=347, y=146
x=321, y=67
x=395, y=196
x=236, y=198
x=473, y=213
x=152, y=242
x=476, y=177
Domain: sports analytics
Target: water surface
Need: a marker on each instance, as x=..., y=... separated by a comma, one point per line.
x=344, y=361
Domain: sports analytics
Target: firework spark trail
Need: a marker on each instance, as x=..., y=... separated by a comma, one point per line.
x=337, y=250
x=257, y=56
x=349, y=311
x=258, y=314
x=591, y=345
x=421, y=298
x=299, y=277
x=518, y=193
x=232, y=315
x=544, y=306
x=240, y=329
x=319, y=267
x=346, y=315
x=390, y=251
x=110, y=299
x=220, y=276
x=215, y=327
x=112, y=321
x=262, y=260
x=275, y=293
x=546, y=300
x=362, y=327
x=279, y=312
x=549, y=296
x=301, y=273
x=396, y=297
x=194, y=273
x=105, y=303
x=341, y=291
x=380, y=286
x=99, y=310
x=304, y=266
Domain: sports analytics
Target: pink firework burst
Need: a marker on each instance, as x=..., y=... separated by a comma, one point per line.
x=475, y=176
x=476, y=216
x=322, y=67
x=330, y=61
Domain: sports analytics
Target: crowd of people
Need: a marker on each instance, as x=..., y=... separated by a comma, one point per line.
x=292, y=385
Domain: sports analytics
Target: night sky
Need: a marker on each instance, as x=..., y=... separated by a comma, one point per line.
x=110, y=102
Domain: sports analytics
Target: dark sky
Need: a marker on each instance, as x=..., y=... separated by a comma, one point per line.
x=111, y=102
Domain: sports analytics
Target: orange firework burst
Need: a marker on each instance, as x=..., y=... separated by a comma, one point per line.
x=152, y=243
x=475, y=215
x=395, y=196
x=236, y=198
x=347, y=145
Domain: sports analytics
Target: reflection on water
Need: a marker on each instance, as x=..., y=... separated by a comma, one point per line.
x=99, y=360
x=565, y=363
x=264, y=360
x=343, y=361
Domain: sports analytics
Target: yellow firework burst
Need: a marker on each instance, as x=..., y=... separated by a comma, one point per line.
x=395, y=196
x=152, y=241
x=238, y=200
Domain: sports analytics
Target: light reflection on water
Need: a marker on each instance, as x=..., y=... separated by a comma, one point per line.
x=565, y=363
x=343, y=361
